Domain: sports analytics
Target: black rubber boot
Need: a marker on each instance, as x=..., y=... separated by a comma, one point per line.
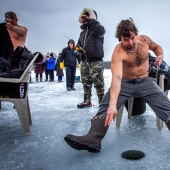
x=92, y=140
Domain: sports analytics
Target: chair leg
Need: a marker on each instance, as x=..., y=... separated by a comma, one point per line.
x=130, y=106
x=161, y=85
x=29, y=113
x=23, y=114
x=119, y=116
x=159, y=123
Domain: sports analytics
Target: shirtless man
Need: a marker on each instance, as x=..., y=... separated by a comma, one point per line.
x=129, y=66
x=16, y=32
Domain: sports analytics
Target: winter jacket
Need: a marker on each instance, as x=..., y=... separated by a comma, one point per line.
x=39, y=65
x=50, y=64
x=6, y=46
x=16, y=64
x=70, y=57
x=57, y=67
x=91, y=38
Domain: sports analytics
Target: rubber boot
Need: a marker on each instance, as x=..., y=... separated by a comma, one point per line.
x=36, y=80
x=40, y=79
x=86, y=102
x=92, y=140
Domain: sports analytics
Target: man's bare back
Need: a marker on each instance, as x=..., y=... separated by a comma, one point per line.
x=17, y=36
x=16, y=32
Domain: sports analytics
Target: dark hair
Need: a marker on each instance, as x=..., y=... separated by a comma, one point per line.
x=125, y=27
x=51, y=54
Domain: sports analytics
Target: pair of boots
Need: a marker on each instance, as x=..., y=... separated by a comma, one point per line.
x=40, y=80
x=92, y=140
x=87, y=101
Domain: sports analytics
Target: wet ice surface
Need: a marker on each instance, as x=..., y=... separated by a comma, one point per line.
x=54, y=114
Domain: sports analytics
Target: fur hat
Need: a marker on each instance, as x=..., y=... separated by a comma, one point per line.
x=89, y=12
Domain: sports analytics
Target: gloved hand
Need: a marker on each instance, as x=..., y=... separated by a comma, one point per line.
x=78, y=48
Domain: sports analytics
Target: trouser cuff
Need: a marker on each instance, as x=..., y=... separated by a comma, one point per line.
x=98, y=117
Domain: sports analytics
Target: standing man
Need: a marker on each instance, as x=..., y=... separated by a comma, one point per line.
x=70, y=56
x=129, y=65
x=16, y=32
x=90, y=44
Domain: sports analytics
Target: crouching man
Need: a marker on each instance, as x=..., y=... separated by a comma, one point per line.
x=129, y=66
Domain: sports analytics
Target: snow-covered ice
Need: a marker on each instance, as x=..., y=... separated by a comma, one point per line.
x=54, y=114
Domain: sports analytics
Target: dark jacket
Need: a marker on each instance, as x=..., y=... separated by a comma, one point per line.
x=17, y=63
x=91, y=38
x=70, y=57
x=57, y=67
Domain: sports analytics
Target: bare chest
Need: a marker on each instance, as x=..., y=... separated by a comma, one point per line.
x=137, y=58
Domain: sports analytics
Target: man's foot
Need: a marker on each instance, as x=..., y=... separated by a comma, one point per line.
x=84, y=104
x=76, y=144
x=69, y=88
x=73, y=88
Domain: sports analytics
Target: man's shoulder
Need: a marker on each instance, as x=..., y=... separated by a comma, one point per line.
x=142, y=37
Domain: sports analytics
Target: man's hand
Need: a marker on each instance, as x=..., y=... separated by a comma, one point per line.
x=9, y=25
x=158, y=60
x=111, y=115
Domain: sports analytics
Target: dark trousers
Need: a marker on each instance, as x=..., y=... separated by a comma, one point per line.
x=145, y=88
x=51, y=74
x=70, y=76
x=60, y=78
x=38, y=74
x=46, y=74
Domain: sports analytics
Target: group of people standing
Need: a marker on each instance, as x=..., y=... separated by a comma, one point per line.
x=47, y=65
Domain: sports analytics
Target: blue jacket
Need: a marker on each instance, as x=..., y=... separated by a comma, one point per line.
x=51, y=64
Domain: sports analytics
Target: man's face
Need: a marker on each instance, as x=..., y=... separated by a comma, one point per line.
x=71, y=45
x=14, y=21
x=129, y=42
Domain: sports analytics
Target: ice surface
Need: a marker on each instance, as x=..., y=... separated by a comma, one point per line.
x=54, y=114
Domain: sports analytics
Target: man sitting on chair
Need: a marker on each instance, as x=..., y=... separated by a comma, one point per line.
x=15, y=64
x=13, y=53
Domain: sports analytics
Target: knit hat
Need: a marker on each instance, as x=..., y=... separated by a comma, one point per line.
x=9, y=16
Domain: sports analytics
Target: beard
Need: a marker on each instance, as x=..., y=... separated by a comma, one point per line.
x=131, y=47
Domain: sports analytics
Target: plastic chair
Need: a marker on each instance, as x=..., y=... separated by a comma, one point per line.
x=130, y=107
x=21, y=103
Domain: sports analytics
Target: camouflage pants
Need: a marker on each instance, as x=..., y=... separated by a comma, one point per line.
x=92, y=73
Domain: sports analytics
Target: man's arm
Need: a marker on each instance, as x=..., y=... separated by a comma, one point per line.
x=18, y=29
x=157, y=49
x=116, y=68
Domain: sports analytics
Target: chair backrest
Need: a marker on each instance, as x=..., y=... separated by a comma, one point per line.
x=25, y=76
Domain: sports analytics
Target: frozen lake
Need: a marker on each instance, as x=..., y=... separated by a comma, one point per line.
x=54, y=114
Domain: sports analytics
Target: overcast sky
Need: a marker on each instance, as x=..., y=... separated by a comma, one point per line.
x=48, y=20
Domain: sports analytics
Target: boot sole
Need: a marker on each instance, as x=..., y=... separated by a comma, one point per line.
x=82, y=146
x=81, y=107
